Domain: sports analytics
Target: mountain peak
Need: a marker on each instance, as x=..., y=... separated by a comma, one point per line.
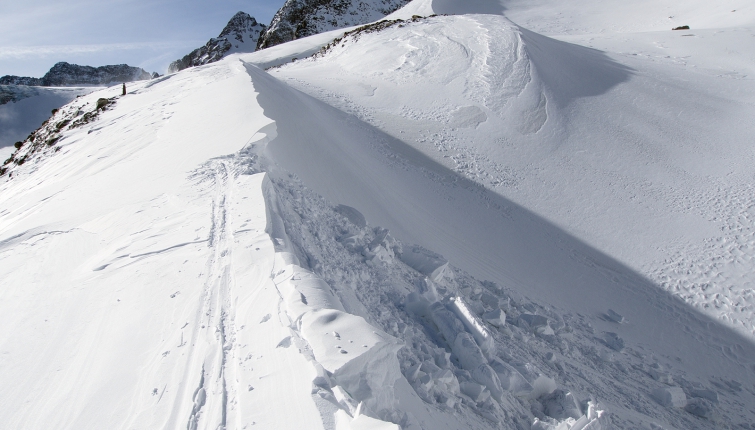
x=239, y=35
x=240, y=23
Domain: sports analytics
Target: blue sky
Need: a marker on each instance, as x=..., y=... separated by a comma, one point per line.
x=35, y=34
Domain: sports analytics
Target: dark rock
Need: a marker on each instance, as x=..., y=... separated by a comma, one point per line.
x=302, y=18
x=64, y=74
x=239, y=35
x=684, y=27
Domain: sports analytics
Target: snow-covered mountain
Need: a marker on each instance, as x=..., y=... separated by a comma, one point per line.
x=444, y=220
x=63, y=74
x=239, y=35
x=302, y=18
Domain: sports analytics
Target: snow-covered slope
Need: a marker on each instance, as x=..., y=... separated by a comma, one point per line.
x=301, y=18
x=240, y=35
x=442, y=223
x=636, y=157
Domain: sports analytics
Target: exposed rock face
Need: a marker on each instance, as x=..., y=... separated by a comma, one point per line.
x=302, y=18
x=64, y=74
x=239, y=35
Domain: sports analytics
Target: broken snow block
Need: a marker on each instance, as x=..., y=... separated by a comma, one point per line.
x=475, y=391
x=445, y=376
x=485, y=375
x=683, y=27
x=613, y=341
x=416, y=304
x=542, y=386
x=614, y=316
x=467, y=352
x=447, y=323
x=704, y=394
x=495, y=317
x=427, y=382
x=510, y=378
x=532, y=321
x=701, y=407
x=671, y=397
x=560, y=405
x=661, y=376
x=490, y=300
x=481, y=334
x=412, y=373
x=446, y=400
x=353, y=215
x=430, y=264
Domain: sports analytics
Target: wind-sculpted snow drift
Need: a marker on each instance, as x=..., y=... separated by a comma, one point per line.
x=220, y=250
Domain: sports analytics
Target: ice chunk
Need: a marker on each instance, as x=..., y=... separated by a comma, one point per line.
x=511, y=380
x=445, y=376
x=481, y=334
x=495, y=317
x=383, y=247
x=447, y=323
x=416, y=304
x=704, y=394
x=532, y=322
x=490, y=300
x=429, y=367
x=353, y=215
x=467, y=352
x=485, y=375
x=367, y=374
x=614, y=316
x=700, y=407
x=561, y=404
x=670, y=397
x=613, y=341
x=475, y=391
x=424, y=261
x=543, y=385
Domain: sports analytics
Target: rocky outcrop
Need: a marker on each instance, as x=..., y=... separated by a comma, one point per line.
x=65, y=75
x=239, y=35
x=302, y=18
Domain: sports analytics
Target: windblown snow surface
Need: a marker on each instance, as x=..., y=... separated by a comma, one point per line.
x=454, y=222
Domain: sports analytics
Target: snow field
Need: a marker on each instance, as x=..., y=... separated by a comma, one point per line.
x=520, y=113
x=271, y=259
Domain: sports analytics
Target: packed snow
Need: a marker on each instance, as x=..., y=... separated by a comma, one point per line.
x=463, y=218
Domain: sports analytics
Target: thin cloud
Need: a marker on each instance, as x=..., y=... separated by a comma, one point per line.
x=25, y=52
